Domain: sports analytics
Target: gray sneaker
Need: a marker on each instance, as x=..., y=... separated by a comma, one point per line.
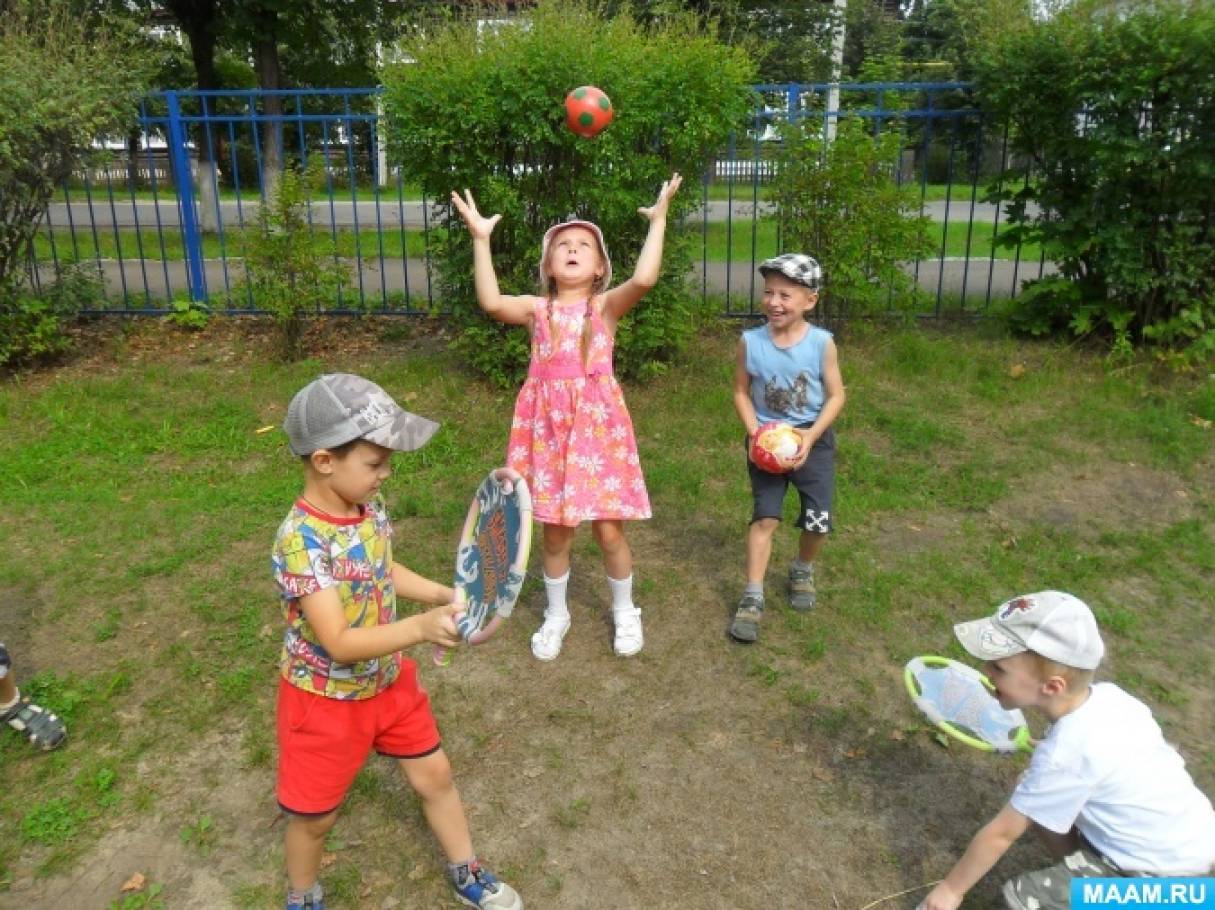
x=746, y=618
x=801, y=588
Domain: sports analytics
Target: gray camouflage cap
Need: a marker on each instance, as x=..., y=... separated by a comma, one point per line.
x=339, y=408
x=797, y=267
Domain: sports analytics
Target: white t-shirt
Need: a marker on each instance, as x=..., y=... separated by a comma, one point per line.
x=1106, y=769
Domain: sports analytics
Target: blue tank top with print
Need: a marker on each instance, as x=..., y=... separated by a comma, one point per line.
x=786, y=383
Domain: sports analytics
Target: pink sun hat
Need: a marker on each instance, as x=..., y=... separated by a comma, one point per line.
x=576, y=222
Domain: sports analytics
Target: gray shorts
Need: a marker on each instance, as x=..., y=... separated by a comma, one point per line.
x=815, y=483
x=1051, y=888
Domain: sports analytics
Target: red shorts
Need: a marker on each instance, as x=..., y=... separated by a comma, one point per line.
x=323, y=742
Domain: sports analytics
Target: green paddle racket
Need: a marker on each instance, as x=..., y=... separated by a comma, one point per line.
x=959, y=700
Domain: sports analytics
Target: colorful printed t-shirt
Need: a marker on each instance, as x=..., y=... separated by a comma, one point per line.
x=314, y=551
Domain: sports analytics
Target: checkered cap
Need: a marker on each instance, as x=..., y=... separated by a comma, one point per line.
x=339, y=408
x=1058, y=626
x=797, y=267
x=574, y=221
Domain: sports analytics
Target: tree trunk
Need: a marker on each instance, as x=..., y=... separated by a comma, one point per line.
x=199, y=19
x=269, y=78
x=134, y=143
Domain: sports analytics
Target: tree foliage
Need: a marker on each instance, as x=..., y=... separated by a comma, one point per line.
x=943, y=40
x=64, y=82
x=1114, y=107
x=319, y=43
x=482, y=108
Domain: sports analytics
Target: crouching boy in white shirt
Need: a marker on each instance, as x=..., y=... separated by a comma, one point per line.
x=1104, y=790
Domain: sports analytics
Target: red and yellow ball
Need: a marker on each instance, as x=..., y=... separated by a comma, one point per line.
x=774, y=446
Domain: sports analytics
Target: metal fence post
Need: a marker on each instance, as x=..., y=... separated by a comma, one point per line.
x=184, y=179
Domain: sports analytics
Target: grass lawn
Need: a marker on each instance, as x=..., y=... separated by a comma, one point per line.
x=743, y=190
x=747, y=239
x=140, y=502
x=740, y=189
x=167, y=245
x=958, y=238
x=167, y=192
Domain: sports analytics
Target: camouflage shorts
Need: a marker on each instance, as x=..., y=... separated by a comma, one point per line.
x=5, y=661
x=1051, y=888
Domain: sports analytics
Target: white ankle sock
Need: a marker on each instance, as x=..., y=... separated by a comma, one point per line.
x=554, y=589
x=622, y=592
x=629, y=637
x=546, y=642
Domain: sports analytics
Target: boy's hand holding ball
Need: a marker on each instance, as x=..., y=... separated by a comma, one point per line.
x=775, y=447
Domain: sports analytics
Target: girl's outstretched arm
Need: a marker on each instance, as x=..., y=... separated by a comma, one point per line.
x=503, y=307
x=622, y=298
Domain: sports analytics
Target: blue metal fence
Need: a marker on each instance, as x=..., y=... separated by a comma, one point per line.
x=163, y=219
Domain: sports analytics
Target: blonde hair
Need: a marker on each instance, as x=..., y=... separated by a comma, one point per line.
x=1073, y=676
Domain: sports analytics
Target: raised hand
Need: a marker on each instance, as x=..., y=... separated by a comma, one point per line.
x=478, y=225
x=659, y=208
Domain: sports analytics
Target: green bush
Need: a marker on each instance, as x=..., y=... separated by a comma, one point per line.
x=1114, y=108
x=33, y=324
x=483, y=109
x=291, y=271
x=838, y=201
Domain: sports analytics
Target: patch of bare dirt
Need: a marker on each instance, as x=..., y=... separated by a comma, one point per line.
x=204, y=780
x=909, y=533
x=107, y=345
x=1105, y=495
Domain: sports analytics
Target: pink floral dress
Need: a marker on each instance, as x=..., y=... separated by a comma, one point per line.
x=572, y=437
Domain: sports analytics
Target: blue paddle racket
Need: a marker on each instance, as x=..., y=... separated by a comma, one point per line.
x=491, y=560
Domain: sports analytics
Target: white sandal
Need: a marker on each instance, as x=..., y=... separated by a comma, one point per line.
x=629, y=638
x=546, y=642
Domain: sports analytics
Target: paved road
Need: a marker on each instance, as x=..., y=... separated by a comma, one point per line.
x=390, y=213
x=162, y=280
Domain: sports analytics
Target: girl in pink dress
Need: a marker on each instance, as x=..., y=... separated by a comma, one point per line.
x=571, y=436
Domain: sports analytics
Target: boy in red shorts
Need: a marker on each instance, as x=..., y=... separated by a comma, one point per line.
x=346, y=689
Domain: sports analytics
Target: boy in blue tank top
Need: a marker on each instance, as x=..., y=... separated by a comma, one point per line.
x=788, y=370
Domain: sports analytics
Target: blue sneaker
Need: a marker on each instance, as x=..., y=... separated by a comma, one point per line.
x=481, y=889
